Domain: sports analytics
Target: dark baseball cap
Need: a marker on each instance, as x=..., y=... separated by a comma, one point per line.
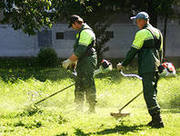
x=73, y=19
x=141, y=15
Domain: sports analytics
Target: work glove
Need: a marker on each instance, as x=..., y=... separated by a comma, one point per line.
x=119, y=66
x=67, y=63
x=72, y=66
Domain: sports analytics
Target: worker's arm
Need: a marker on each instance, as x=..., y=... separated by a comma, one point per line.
x=84, y=41
x=73, y=58
x=129, y=57
x=136, y=46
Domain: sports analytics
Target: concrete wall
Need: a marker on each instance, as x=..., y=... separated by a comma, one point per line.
x=121, y=41
x=64, y=47
x=16, y=43
x=173, y=41
x=124, y=36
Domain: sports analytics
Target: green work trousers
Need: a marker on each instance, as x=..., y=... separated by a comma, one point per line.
x=85, y=85
x=150, y=81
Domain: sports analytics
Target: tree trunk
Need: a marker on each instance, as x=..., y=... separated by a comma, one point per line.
x=164, y=35
x=152, y=13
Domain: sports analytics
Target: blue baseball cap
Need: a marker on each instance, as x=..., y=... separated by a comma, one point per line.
x=141, y=15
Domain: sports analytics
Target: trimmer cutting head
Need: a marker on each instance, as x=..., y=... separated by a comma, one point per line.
x=119, y=115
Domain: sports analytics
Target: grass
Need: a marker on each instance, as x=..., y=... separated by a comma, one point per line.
x=56, y=116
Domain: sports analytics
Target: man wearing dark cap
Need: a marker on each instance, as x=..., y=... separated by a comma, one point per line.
x=148, y=44
x=85, y=57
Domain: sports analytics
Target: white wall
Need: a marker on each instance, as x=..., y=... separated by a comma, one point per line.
x=64, y=48
x=16, y=43
x=173, y=40
x=124, y=36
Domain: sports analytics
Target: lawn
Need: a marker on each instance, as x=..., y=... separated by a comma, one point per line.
x=56, y=116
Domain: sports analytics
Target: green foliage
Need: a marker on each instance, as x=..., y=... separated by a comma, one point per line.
x=47, y=57
x=28, y=15
x=15, y=62
x=35, y=124
x=31, y=16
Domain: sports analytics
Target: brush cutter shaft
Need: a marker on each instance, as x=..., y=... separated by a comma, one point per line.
x=131, y=75
x=53, y=94
x=75, y=74
x=130, y=101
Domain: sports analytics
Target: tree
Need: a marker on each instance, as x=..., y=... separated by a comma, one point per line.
x=28, y=15
x=32, y=15
x=167, y=10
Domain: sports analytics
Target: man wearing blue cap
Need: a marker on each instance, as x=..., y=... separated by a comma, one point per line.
x=148, y=44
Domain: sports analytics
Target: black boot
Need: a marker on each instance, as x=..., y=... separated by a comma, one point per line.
x=156, y=121
x=150, y=123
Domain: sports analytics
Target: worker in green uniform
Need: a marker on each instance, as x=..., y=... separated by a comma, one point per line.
x=85, y=58
x=148, y=44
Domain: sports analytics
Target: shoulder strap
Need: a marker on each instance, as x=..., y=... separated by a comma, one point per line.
x=93, y=41
x=81, y=31
x=157, y=41
x=157, y=44
x=90, y=48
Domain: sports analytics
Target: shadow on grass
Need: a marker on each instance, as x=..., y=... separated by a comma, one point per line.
x=34, y=124
x=53, y=74
x=18, y=122
x=16, y=115
x=173, y=110
x=119, y=129
x=62, y=134
x=113, y=76
x=42, y=74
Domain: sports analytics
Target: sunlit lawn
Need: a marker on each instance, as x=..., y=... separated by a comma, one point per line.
x=57, y=116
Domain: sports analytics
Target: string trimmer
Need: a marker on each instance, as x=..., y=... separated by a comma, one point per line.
x=120, y=114
x=105, y=66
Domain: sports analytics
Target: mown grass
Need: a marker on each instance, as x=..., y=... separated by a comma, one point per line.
x=56, y=116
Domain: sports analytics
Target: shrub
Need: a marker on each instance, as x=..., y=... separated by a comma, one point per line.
x=47, y=57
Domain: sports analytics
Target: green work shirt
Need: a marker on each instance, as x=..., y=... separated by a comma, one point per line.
x=144, y=46
x=82, y=41
x=84, y=37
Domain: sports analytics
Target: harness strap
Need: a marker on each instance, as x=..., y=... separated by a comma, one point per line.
x=157, y=42
x=90, y=50
x=157, y=45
